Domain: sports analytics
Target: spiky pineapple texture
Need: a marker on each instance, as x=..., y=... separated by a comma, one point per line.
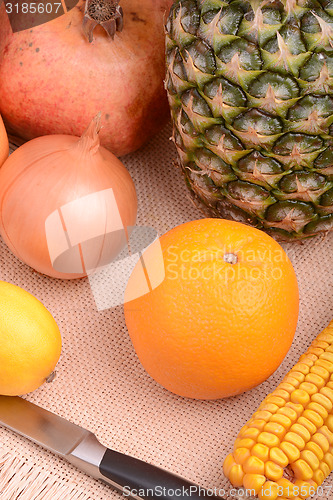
x=250, y=85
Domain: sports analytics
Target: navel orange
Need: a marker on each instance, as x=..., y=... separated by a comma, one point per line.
x=225, y=315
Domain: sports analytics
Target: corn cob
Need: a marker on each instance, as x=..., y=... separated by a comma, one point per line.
x=285, y=451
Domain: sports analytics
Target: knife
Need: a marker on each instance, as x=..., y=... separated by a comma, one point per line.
x=130, y=476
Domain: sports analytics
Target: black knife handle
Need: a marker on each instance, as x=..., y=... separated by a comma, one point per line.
x=137, y=479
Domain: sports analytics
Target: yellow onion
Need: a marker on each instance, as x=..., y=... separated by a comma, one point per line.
x=66, y=204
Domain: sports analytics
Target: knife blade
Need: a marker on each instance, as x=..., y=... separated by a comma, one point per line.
x=132, y=477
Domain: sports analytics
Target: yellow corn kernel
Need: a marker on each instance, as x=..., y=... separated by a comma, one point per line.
x=328, y=356
x=307, y=424
x=301, y=431
x=293, y=438
x=312, y=378
x=327, y=433
x=254, y=482
x=290, y=450
x=254, y=465
x=296, y=407
x=241, y=455
x=326, y=470
x=321, y=441
x=325, y=364
x=315, y=448
x=320, y=343
x=258, y=424
x=328, y=459
x=244, y=443
x=276, y=400
x=276, y=429
x=311, y=356
x=302, y=469
x=300, y=396
x=286, y=387
x=316, y=419
x=323, y=401
x=270, y=407
x=326, y=391
x=329, y=422
x=236, y=442
x=302, y=367
x=305, y=488
x=326, y=336
x=243, y=429
x=251, y=433
x=307, y=359
x=317, y=351
x=318, y=477
x=318, y=408
x=268, y=439
x=262, y=415
x=289, y=379
x=261, y=451
x=309, y=388
x=320, y=371
x=282, y=420
x=236, y=475
x=281, y=393
x=278, y=457
x=297, y=375
x=310, y=458
x=330, y=384
x=269, y=491
x=273, y=471
x=286, y=488
x=288, y=412
x=228, y=463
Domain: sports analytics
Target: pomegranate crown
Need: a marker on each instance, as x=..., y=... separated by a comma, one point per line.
x=106, y=13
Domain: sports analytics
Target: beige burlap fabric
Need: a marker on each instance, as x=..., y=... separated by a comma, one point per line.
x=102, y=386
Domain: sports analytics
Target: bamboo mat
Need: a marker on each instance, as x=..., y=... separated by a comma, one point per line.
x=101, y=385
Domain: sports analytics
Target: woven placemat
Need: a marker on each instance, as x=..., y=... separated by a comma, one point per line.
x=101, y=385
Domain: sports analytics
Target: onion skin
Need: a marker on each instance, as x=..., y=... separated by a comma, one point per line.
x=36, y=181
x=4, y=146
x=53, y=80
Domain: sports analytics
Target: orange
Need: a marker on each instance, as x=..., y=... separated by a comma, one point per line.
x=4, y=147
x=225, y=315
x=30, y=341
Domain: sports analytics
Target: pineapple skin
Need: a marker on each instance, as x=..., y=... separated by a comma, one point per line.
x=250, y=87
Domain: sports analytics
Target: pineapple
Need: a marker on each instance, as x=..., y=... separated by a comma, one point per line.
x=250, y=86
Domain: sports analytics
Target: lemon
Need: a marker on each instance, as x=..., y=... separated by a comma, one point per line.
x=30, y=341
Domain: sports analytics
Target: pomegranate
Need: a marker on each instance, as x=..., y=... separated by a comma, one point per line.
x=53, y=80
